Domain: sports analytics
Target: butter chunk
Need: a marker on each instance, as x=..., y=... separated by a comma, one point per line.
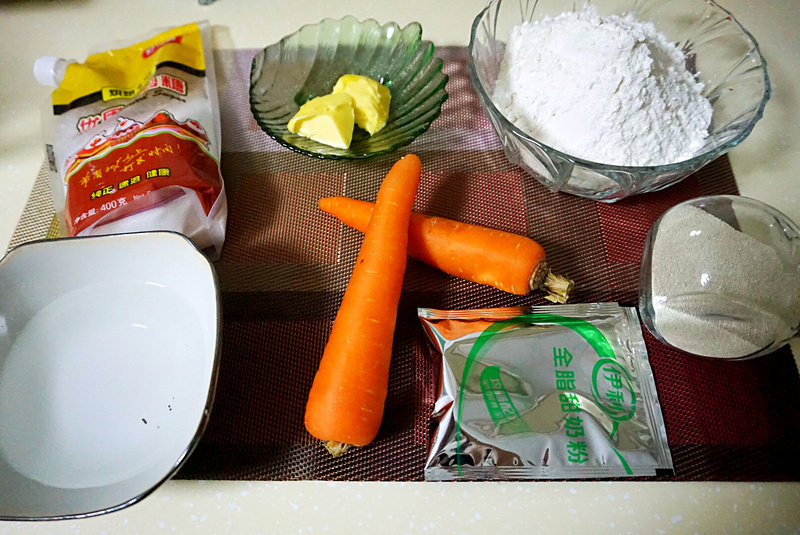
x=370, y=99
x=328, y=119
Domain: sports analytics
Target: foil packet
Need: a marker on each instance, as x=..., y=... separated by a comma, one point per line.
x=548, y=392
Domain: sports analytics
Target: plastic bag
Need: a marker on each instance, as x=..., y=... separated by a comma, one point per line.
x=560, y=391
x=132, y=138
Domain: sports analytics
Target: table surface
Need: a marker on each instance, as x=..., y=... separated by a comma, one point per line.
x=765, y=167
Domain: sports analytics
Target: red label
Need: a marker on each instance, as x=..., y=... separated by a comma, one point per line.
x=115, y=176
x=147, y=52
x=168, y=82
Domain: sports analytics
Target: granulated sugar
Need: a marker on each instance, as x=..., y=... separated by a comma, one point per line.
x=717, y=291
x=606, y=89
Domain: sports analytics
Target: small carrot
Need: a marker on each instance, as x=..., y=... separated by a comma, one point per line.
x=507, y=261
x=345, y=404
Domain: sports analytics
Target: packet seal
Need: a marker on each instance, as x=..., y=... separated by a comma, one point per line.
x=647, y=384
x=508, y=312
x=509, y=473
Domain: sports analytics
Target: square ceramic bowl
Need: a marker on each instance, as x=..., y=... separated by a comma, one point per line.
x=722, y=53
x=108, y=362
x=307, y=63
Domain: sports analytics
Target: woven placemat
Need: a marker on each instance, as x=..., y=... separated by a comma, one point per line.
x=285, y=265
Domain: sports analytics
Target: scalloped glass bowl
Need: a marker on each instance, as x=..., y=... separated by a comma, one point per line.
x=307, y=63
x=726, y=58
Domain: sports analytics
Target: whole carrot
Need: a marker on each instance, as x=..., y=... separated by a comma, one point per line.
x=345, y=404
x=507, y=261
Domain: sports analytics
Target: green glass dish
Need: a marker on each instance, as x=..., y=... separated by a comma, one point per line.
x=307, y=63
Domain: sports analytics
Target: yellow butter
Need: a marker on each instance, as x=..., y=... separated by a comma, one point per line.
x=328, y=119
x=370, y=99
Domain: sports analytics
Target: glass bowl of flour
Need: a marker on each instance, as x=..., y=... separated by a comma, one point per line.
x=720, y=278
x=616, y=97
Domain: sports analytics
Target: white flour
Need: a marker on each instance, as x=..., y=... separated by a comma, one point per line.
x=606, y=89
x=719, y=292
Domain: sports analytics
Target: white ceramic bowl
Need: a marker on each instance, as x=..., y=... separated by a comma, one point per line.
x=108, y=362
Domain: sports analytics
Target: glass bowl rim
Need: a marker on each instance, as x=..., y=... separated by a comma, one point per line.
x=750, y=202
x=360, y=22
x=694, y=161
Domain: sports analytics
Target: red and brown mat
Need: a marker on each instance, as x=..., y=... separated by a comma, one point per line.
x=285, y=266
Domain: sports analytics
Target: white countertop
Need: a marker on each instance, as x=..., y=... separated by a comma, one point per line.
x=766, y=166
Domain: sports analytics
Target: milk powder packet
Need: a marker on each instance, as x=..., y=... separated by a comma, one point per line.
x=132, y=138
x=562, y=391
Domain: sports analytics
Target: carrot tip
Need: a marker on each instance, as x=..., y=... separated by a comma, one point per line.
x=336, y=448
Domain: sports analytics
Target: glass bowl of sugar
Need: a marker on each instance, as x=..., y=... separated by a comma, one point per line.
x=613, y=98
x=720, y=278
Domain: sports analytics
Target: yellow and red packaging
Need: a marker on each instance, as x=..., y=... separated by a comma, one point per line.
x=132, y=138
